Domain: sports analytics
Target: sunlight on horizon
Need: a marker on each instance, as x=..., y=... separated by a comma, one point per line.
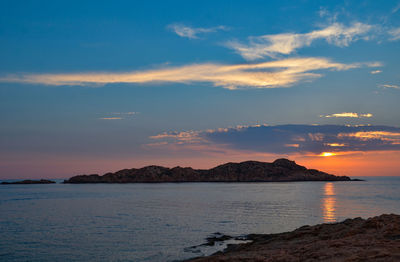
x=327, y=154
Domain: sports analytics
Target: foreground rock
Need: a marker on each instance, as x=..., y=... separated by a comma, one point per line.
x=29, y=182
x=373, y=239
x=249, y=171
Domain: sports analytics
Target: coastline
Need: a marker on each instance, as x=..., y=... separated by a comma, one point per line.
x=357, y=239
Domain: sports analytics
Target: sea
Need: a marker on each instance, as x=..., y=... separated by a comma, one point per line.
x=168, y=221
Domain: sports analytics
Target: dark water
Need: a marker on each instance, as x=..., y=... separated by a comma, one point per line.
x=156, y=222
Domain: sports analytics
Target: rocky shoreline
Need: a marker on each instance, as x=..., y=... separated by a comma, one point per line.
x=281, y=170
x=373, y=239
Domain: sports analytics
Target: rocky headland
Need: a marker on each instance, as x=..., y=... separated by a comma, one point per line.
x=250, y=171
x=373, y=239
x=29, y=182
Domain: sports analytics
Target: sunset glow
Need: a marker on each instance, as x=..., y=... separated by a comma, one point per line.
x=158, y=87
x=327, y=154
x=133, y=130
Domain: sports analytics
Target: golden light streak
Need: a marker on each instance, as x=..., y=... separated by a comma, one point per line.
x=329, y=203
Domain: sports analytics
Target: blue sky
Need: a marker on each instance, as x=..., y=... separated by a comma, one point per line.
x=89, y=86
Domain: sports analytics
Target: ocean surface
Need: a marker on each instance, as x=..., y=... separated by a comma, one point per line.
x=160, y=222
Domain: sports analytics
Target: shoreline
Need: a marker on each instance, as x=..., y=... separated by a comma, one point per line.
x=357, y=239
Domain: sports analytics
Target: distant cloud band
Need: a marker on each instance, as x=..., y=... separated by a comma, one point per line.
x=286, y=139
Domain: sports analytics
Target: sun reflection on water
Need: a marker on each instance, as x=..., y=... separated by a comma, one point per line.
x=329, y=203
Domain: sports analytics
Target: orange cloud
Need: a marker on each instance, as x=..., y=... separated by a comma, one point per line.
x=292, y=145
x=374, y=135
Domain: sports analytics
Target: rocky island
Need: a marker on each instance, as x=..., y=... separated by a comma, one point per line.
x=29, y=182
x=373, y=239
x=281, y=170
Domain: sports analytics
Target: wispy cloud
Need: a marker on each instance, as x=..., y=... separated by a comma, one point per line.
x=279, y=73
x=396, y=8
x=287, y=139
x=193, y=32
x=374, y=72
x=125, y=113
x=120, y=115
x=286, y=43
x=110, y=118
x=322, y=12
x=348, y=114
x=394, y=34
x=389, y=86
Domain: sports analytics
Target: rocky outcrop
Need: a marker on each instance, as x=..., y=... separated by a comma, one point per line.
x=373, y=239
x=249, y=171
x=29, y=182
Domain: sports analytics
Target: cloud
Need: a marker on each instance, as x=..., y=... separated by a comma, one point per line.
x=111, y=118
x=389, y=86
x=391, y=137
x=120, y=115
x=396, y=8
x=286, y=43
x=287, y=139
x=191, y=32
x=335, y=144
x=323, y=12
x=125, y=113
x=394, y=34
x=348, y=114
x=279, y=73
x=376, y=72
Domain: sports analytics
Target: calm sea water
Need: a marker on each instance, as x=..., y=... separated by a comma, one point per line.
x=156, y=222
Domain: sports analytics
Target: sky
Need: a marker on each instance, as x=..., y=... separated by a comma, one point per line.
x=98, y=86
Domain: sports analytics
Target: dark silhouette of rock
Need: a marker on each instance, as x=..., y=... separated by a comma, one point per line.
x=249, y=171
x=372, y=239
x=29, y=182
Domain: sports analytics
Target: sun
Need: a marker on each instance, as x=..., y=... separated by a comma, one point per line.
x=327, y=154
